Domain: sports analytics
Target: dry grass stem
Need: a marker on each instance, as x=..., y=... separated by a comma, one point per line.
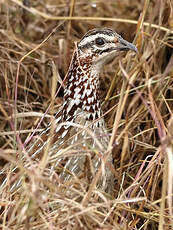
x=37, y=42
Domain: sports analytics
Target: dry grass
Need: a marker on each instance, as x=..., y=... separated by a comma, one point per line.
x=139, y=101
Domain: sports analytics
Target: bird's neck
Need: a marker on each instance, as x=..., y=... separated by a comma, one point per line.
x=81, y=93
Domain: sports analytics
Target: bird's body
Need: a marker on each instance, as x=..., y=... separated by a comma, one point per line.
x=79, y=123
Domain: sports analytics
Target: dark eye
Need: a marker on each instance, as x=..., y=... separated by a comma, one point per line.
x=100, y=41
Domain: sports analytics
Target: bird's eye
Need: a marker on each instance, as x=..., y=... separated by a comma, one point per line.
x=100, y=41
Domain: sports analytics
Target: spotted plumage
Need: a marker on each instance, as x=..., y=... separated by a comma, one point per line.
x=81, y=113
x=81, y=100
x=83, y=75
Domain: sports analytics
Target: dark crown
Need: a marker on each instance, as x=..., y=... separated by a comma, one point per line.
x=95, y=49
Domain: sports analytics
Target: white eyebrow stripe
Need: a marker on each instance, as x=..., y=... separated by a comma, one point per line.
x=91, y=38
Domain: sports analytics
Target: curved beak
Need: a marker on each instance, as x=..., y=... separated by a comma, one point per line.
x=125, y=45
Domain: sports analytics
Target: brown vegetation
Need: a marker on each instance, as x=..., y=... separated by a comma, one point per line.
x=36, y=42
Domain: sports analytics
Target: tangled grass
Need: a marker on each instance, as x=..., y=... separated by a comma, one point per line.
x=36, y=45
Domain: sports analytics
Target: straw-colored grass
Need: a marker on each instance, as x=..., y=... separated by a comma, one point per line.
x=36, y=43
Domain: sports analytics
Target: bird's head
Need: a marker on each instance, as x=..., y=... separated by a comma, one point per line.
x=100, y=46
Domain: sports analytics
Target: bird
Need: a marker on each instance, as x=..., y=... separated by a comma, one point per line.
x=82, y=105
x=79, y=122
